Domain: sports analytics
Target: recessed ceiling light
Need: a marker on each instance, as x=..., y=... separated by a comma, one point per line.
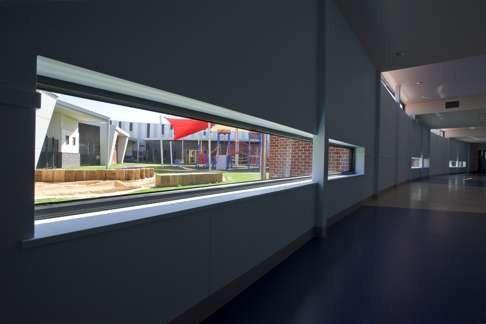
x=401, y=53
x=472, y=127
x=419, y=83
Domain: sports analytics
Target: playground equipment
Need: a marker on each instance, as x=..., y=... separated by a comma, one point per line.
x=230, y=151
x=223, y=161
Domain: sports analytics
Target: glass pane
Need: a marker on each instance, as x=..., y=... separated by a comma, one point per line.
x=340, y=160
x=416, y=162
x=118, y=150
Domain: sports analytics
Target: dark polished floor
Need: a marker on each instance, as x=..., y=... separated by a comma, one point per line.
x=379, y=265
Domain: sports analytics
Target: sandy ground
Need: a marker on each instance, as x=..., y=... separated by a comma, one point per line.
x=90, y=189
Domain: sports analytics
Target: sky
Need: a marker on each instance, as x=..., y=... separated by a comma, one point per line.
x=121, y=113
x=117, y=112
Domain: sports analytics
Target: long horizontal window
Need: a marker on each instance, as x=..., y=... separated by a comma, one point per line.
x=117, y=150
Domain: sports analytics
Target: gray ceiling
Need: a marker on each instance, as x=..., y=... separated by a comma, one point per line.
x=446, y=80
x=429, y=31
x=444, y=57
x=425, y=89
x=455, y=119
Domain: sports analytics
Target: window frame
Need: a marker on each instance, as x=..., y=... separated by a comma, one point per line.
x=54, y=210
x=352, y=159
x=421, y=162
x=359, y=158
x=86, y=92
x=59, y=209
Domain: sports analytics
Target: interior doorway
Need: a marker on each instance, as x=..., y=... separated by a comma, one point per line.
x=482, y=161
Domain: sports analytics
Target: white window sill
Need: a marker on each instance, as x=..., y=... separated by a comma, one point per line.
x=344, y=176
x=62, y=228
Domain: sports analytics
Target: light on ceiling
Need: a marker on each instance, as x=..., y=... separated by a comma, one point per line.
x=401, y=53
x=419, y=83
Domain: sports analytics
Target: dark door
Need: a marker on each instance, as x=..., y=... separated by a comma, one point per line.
x=89, y=144
x=482, y=161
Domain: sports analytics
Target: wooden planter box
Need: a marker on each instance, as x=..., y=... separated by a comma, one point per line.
x=61, y=175
x=187, y=179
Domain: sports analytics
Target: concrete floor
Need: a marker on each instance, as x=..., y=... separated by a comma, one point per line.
x=447, y=193
x=417, y=254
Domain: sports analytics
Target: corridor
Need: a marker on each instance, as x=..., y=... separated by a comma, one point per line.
x=413, y=255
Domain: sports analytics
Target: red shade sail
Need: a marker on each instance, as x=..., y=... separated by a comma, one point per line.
x=184, y=127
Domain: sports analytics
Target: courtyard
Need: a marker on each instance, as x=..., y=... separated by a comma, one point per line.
x=52, y=192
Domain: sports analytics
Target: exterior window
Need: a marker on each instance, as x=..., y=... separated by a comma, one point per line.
x=162, y=129
x=340, y=160
x=344, y=160
x=130, y=127
x=461, y=164
x=416, y=162
x=453, y=164
x=66, y=140
x=134, y=164
x=120, y=124
x=426, y=163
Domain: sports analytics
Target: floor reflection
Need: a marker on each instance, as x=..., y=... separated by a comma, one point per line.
x=449, y=193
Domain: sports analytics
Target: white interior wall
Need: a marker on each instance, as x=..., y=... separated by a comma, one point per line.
x=150, y=273
x=350, y=100
x=399, y=143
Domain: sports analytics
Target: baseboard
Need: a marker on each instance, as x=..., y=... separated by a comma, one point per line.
x=215, y=301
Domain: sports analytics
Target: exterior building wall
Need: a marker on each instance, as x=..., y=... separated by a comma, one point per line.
x=61, y=126
x=289, y=157
x=69, y=129
x=69, y=160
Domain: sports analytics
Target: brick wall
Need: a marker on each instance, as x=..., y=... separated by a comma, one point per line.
x=289, y=157
x=339, y=160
